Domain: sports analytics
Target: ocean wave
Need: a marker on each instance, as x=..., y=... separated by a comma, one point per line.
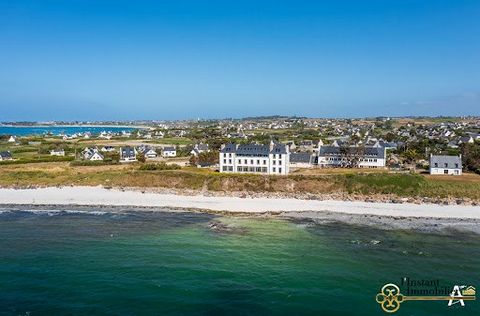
x=53, y=212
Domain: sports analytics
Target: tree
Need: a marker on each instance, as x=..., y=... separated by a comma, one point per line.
x=141, y=157
x=210, y=157
x=350, y=155
x=471, y=156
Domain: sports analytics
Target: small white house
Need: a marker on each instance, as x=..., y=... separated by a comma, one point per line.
x=5, y=155
x=96, y=157
x=128, y=154
x=150, y=153
x=169, y=152
x=92, y=154
x=199, y=148
x=301, y=160
x=443, y=164
x=57, y=152
x=12, y=139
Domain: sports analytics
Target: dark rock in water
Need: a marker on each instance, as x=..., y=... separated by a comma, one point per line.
x=223, y=228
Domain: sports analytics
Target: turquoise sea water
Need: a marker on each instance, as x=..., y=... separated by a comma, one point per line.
x=56, y=130
x=160, y=263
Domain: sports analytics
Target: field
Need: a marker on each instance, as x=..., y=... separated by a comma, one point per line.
x=355, y=182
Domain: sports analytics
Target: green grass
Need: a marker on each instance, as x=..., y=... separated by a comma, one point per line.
x=383, y=183
x=401, y=185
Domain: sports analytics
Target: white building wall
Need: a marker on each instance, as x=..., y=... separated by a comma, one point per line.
x=230, y=162
x=449, y=171
x=169, y=153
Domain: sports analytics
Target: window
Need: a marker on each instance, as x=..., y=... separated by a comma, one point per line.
x=456, y=165
x=239, y=161
x=229, y=160
x=239, y=169
x=436, y=164
x=274, y=162
x=446, y=165
x=258, y=161
x=229, y=155
x=274, y=169
x=251, y=161
x=224, y=160
x=246, y=161
x=230, y=168
x=445, y=171
x=279, y=170
x=224, y=168
x=264, y=162
x=279, y=162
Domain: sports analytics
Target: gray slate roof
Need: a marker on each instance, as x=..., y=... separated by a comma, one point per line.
x=254, y=149
x=367, y=151
x=229, y=148
x=203, y=147
x=5, y=154
x=441, y=160
x=300, y=157
x=128, y=152
x=169, y=148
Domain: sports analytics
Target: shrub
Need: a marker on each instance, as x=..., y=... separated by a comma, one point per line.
x=35, y=160
x=159, y=166
x=78, y=163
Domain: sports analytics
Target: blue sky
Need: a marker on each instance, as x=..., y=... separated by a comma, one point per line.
x=98, y=60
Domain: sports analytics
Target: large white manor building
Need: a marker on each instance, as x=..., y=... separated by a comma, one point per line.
x=253, y=158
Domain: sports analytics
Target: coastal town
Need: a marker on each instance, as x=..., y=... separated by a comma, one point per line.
x=264, y=145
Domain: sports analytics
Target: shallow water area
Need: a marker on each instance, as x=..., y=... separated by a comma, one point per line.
x=110, y=261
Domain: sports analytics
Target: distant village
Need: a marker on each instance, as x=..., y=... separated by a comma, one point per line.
x=269, y=145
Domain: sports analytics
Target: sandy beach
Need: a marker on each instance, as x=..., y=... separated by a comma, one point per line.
x=98, y=196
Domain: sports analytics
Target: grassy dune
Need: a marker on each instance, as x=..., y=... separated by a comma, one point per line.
x=402, y=185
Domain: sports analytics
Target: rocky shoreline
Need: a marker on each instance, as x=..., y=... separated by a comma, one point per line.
x=448, y=226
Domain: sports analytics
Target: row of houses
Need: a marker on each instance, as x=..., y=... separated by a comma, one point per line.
x=128, y=153
x=276, y=158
